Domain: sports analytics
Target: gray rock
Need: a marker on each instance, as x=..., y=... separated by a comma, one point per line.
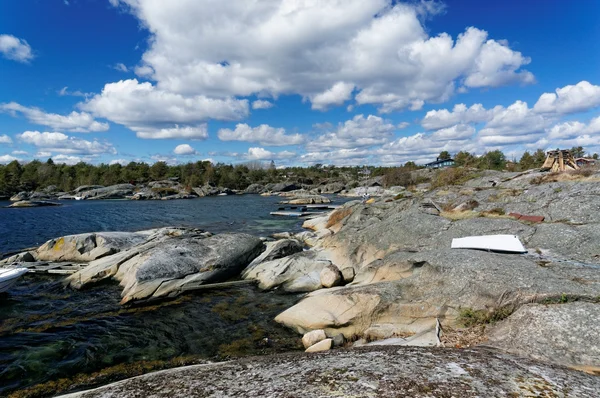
x=119, y=191
x=88, y=247
x=330, y=188
x=330, y=276
x=313, y=337
x=364, y=372
x=338, y=340
x=284, y=187
x=31, y=203
x=254, y=189
x=348, y=274
x=289, y=271
x=275, y=250
x=19, y=197
x=173, y=265
x=323, y=345
x=85, y=188
x=566, y=334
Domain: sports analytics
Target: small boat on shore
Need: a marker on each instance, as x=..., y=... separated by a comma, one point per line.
x=9, y=276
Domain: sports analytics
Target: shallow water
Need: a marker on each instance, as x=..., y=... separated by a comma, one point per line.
x=48, y=332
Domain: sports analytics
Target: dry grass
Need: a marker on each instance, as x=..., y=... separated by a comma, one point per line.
x=337, y=216
x=459, y=215
x=463, y=338
x=583, y=174
x=451, y=176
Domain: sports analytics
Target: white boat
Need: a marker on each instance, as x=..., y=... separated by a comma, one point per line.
x=9, y=276
x=498, y=243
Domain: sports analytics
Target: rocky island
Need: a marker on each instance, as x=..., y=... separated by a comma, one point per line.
x=380, y=279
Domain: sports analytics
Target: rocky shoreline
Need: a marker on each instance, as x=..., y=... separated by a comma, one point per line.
x=381, y=272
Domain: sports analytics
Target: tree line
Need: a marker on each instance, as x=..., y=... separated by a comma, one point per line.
x=37, y=175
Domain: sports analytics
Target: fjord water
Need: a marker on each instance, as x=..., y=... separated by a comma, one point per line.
x=48, y=332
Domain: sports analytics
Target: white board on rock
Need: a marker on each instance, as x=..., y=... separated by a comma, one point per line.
x=499, y=243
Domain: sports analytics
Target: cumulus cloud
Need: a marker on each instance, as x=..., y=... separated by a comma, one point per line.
x=438, y=119
x=75, y=122
x=7, y=158
x=122, y=162
x=262, y=104
x=257, y=153
x=199, y=132
x=569, y=99
x=4, y=139
x=184, y=149
x=263, y=134
x=517, y=119
x=341, y=157
x=155, y=113
x=377, y=51
x=15, y=49
x=63, y=144
x=357, y=132
x=20, y=153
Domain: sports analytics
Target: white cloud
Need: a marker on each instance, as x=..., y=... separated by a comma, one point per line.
x=517, y=119
x=155, y=113
x=15, y=49
x=7, y=158
x=402, y=125
x=71, y=159
x=458, y=132
x=339, y=93
x=357, y=132
x=43, y=154
x=80, y=122
x=569, y=99
x=199, y=132
x=263, y=154
x=121, y=67
x=442, y=118
x=77, y=93
x=20, y=153
x=341, y=157
x=184, y=149
x=262, y=104
x=4, y=139
x=263, y=134
x=323, y=51
x=63, y=144
x=122, y=162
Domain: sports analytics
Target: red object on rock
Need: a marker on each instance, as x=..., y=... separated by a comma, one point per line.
x=522, y=217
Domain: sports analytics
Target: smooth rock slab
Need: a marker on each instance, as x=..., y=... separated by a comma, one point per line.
x=323, y=345
x=313, y=337
x=561, y=333
x=364, y=372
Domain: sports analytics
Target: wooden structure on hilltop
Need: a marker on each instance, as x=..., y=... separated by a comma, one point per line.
x=559, y=160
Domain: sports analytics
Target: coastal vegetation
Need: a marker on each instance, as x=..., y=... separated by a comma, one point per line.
x=37, y=175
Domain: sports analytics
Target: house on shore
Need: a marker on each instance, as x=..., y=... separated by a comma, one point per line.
x=581, y=162
x=440, y=163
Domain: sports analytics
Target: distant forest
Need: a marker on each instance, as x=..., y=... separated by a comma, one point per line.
x=36, y=175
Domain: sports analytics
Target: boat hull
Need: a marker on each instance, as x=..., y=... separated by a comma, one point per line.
x=10, y=276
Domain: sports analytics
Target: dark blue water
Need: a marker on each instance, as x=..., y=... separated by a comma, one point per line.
x=26, y=227
x=49, y=334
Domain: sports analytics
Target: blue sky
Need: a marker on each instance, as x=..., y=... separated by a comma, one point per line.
x=299, y=82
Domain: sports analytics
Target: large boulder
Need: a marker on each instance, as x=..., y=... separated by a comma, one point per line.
x=307, y=200
x=89, y=246
x=85, y=188
x=119, y=191
x=165, y=266
x=285, y=187
x=19, y=197
x=254, y=189
x=299, y=272
x=365, y=372
x=273, y=251
x=34, y=203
